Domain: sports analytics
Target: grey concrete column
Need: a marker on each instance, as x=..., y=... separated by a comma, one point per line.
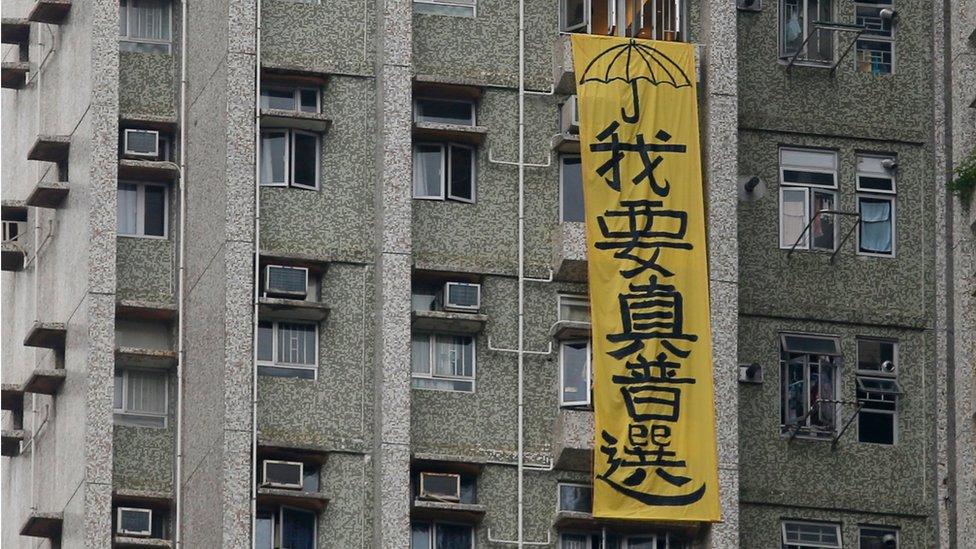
x=391, y=445
x=719, y=127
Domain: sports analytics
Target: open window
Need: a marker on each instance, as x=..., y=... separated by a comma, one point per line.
x=808, y=187
x=441, y=535
x=809, y=373
x=290, y=158
x=574, y=373
x=877, y=391
x=571, y=190
x=649, y=19
x=876, y=205
x=799, y=34
x=444, y=155
x=877, y=537
x=143, y=209
x=284, y=527
x=444, y=362
x=291, y=98
x=875, y=48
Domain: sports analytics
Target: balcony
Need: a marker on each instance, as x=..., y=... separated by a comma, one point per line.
x=573, y=445
x=11, y=397
x=569, y=252
x=47, y=335
x=45, y=381
x=50, y=148
x=14, y=31
x=12, y=257
x=13, y=74
x=52, y=12
x=42, y=525
x=48, y=194
x=10, y=442
x=128, y=309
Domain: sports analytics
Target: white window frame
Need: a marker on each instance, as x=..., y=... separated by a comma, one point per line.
x=167, y=42
x=120, y=415
x=8, y=226
x=589, y=374
x=559, y=495
x=432, y=530
x=571, y=299
x=802, y=58
x=141, y=210
x=891, y=529
x=876, y=373
x=281, y=522
x=835, y=525
x=806, y=243
x=807, y=431
x=432, y=358
x=617, y=19
x=562, y=183
x=273, y=363
x=473, y=4
x=661, y=540
x=876, y=37
x=446, y=161
x=416, y=105
x=877, y=194
x=290, y=158
x=296, y=95
x=880, y=374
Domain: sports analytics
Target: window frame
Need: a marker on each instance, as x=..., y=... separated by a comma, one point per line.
x=448, y=173
x=431, y=361
x=473, y=4
x=617, y=19
x=870, y=37
x=579, y=299
x=876, y=373
x=889, y=196
x=807, y=431
x=801, y=57
x=141, y=209
x=417, y=100
x=589, y=374
x=836, y=525
x=562, y=183
x=167, y=42
x=432, y=531
x=446, y=190
x=809, y=191
x=314, y=368
x=860, y=374
x=120, y=415
x=278, y=518
x=290, y=158
x=892, y=529
x=296, y=94
x=559, y=495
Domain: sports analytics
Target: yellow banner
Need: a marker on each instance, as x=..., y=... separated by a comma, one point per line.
x=655, y=453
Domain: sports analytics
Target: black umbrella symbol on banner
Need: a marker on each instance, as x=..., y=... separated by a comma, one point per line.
x=631, y=62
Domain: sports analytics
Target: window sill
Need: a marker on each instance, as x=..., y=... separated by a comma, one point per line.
x=127, y=309
x=448, y=322
x=127, y=541
x=565, y=330
x=471, y=513
x=160, y=359
x=148, y=170
x=456, y=133
x=572, y=520
x=566, y=143
x=314, y=501
x=273, y=308
x=298, y=120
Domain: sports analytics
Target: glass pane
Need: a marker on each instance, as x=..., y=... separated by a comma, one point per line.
x=278, y=98
x=823, y=228
x=794, y=393
x=874, y=57
x=571, y=190
x=792, y=26
x=428, y=165
x=155, y=210
x=297, y=529
x=441, y=111
x=306, y=148
x=419, y=536
x=296, y=343
x=265, y=342
x=433, y=8
x=309, y=98
x=462, y=173
x=146, y=392
x=574, y=541
x=574, y=14
x=811, y=345
x=794, y=217
x=875, y=231
x=454, y=356
x=875, y=538
x=453, y=536
x=273, y=160
x=148, y=19
x=574, y=497
x=575, y=377
x=872, y=354
x=128, y=208
x=573, y=308
x=870, y=18
x=117, y=399
x=802, y=177
x=420, y=353
x=264, y=530
x=422, y=299
x=123, y=17
x=799, y=158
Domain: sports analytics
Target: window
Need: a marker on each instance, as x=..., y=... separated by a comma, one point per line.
x=809, y=374
x=441, y=535
x=808, y=179
x=877, y=537
x=574, y=308
x=877, y=390
x=290, y=98
x=142, y=209
x=141, y=397
x=442, y=362
x=796, y=23
x=651, y=19
x=444, y=170
x=12, y=230
x=287, y=349
x=875, y=50
x=439, y=482
x=810, y=535
x=284, y=528
x=571, y=190
x=144, y=26
x=290, y=158
x=310, y=474
x=617, y=541
x=575, y=497
x=457, y=8
x=574, y=373
x=876, y=205
x=460, y=112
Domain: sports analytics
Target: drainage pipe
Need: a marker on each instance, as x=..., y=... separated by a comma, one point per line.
x=180, y=285
x=521, y=274
x=257, y=271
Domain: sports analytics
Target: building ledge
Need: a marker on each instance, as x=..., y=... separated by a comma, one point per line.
x=52, y=12
x=144, y=497
x=572, y=520
x=162, y=123
x=314, y=264
x=13, y=210
x=14, y=30
x=128, y=541
x=429, y=461
x=435, y=86
x=271, y=449
x=448, y=322
x=573, y=445
x=292, y=309
x=449, y=511
x=10, y=442
x=148, y=170
x=146, y=358
x=566, y=143
x=430, y=131
x=569, y=252
x=45, y=381
x=144, y=310
x=565, y=330
x=48, y=194
x=48, y=335
x=50, y=148
x=11, y=397
x=293, y=74
x=13, y=74
x=308, y=121
x=316, y=501
x=42, y=525
x=12, y=257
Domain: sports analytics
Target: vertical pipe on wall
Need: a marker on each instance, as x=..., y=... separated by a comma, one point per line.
x=181, y=278
x=521, y=272
x=257, y=269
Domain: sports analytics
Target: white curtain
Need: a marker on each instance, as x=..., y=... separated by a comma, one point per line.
x=128, y=210
x=794, y=215
x=428, y=161
x=296, y=343
x=148, y=19
x=876, y=225
x=146, y=392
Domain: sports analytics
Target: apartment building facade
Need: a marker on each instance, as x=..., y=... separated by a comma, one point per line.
x=313, y=274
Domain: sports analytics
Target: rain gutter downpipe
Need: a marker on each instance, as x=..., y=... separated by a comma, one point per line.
x=521, y=273
x=180, y=285
x=257, y=270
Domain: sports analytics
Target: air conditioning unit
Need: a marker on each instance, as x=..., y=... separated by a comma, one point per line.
x=749, y=5
x=282, y=281
x=140, y=144
x=133, y=521
x=440, y=486
x=283, y=474
x=570, y=116
x=461, y=297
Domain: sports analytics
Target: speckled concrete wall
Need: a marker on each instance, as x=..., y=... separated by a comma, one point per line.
x=148, y=85
x=145, y=269
x=765, y=528
x=144, y=455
